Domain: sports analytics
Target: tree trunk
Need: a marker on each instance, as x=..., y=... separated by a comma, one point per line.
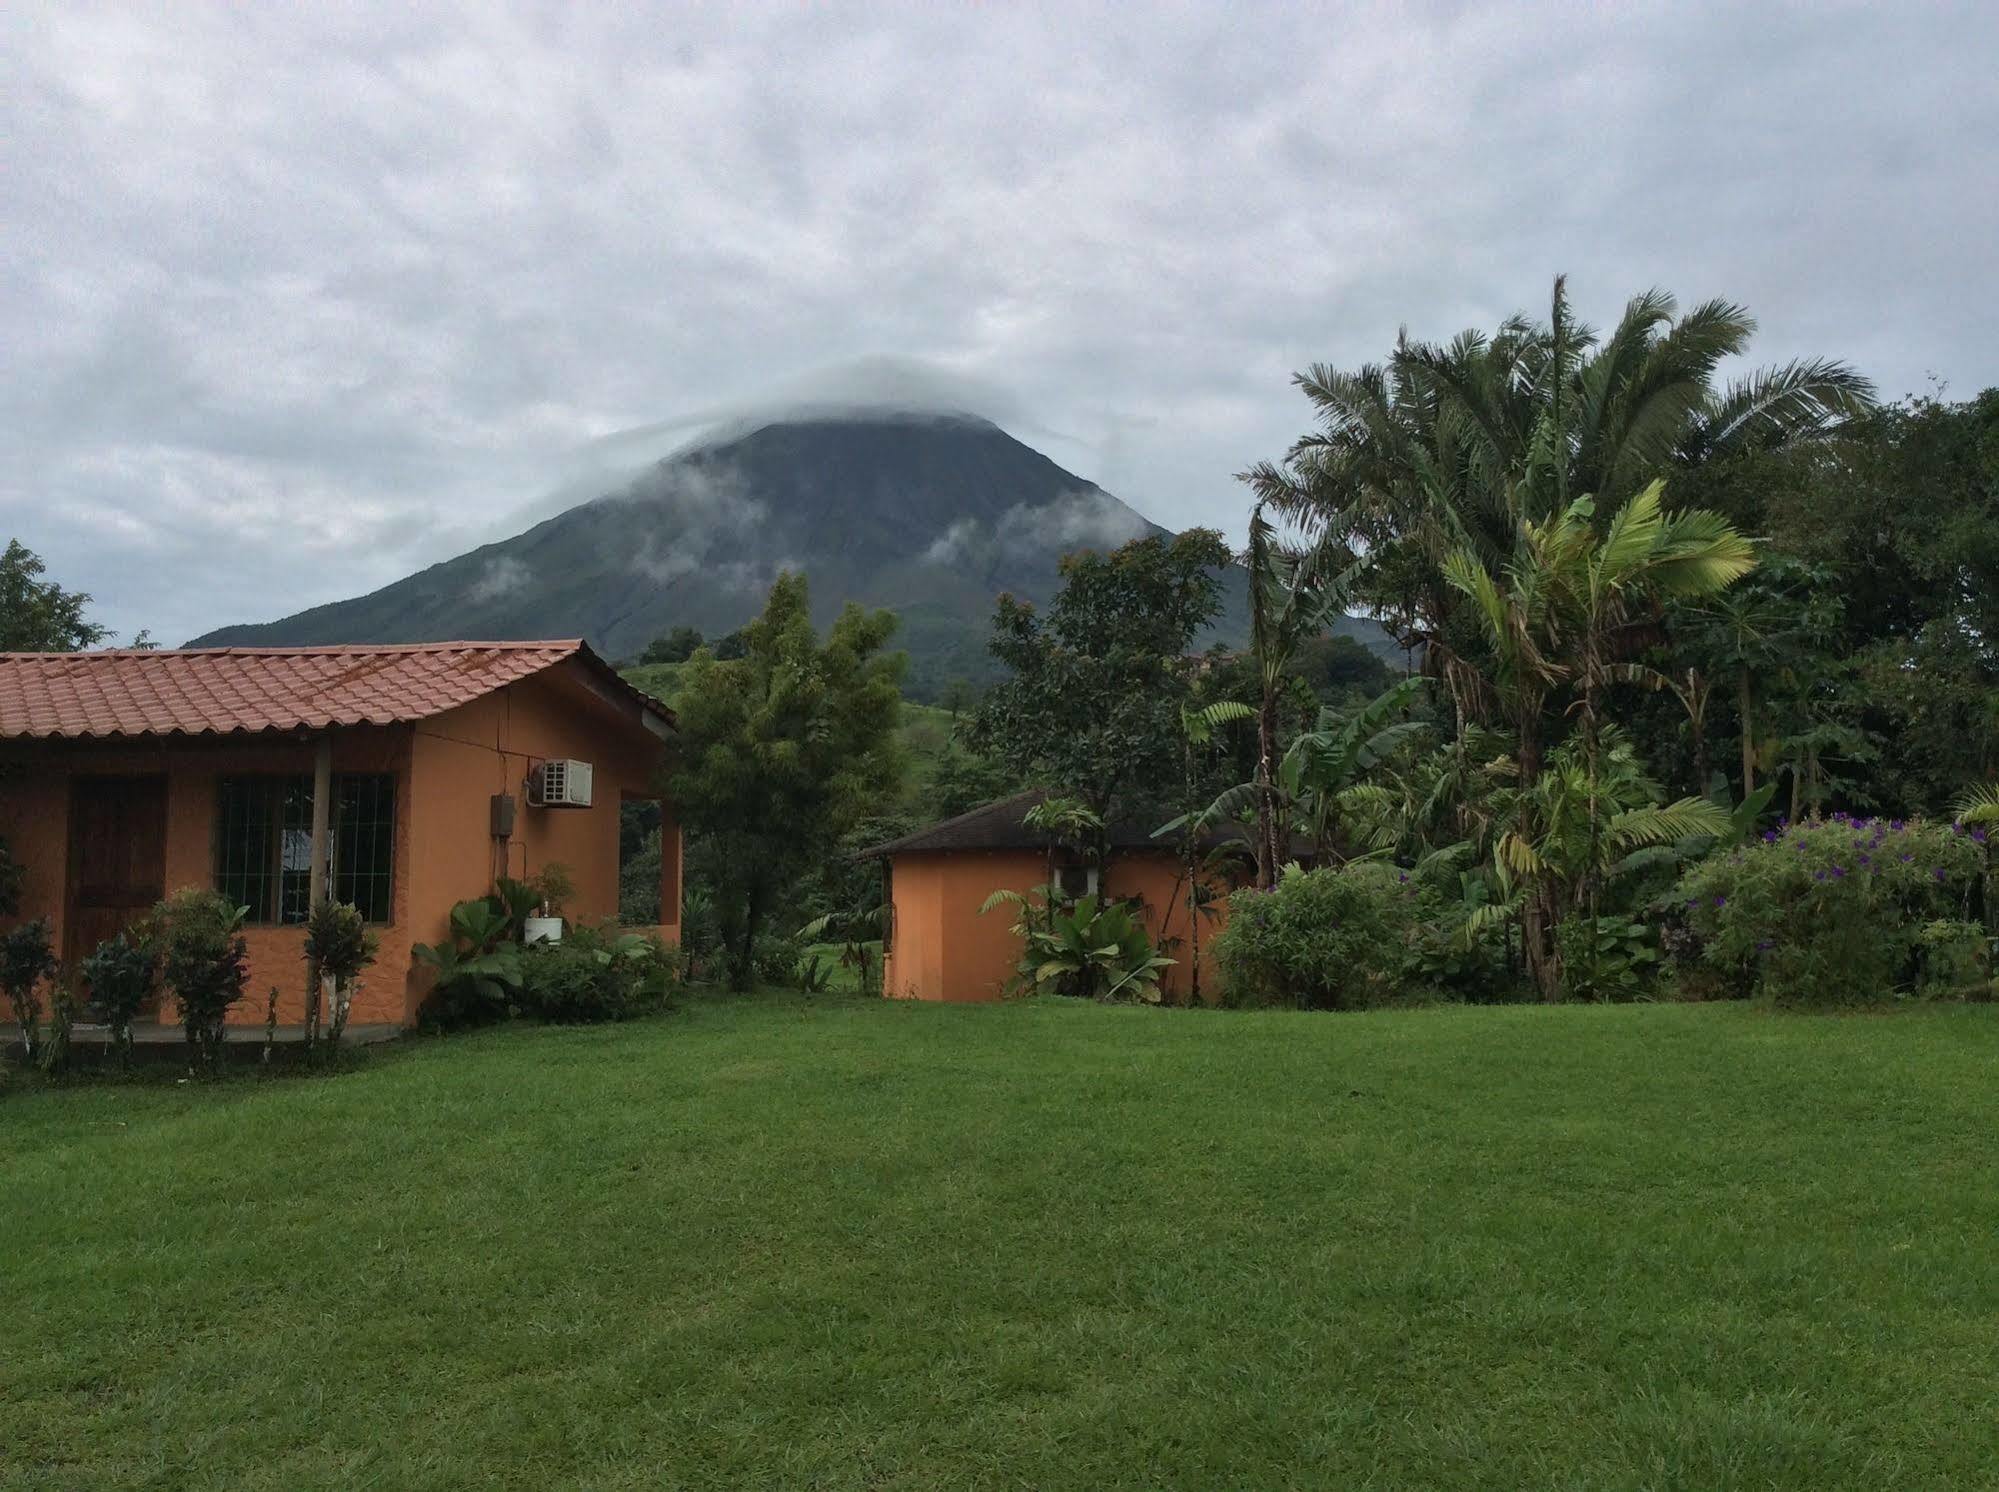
x=743, y=975
x=1745, y=709
x=1539, y=912
x=1697, y=722
x=1266, y=806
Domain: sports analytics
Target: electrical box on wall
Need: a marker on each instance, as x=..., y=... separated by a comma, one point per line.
x=503, y=815
x=560, y=783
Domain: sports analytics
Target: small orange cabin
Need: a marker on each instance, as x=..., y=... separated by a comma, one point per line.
x=407, y=777
x=937, y=944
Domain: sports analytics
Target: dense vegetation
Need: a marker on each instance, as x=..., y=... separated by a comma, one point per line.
x=790, y=1242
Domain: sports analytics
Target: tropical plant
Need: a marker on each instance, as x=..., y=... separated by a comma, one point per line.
x=123, y=973
x=1294, y=591
x=1556, y=618
x=26, y=960
x=1093, y=949
x=479, y=970
x=204, y=961
x=858, y=931
x=1450, y=447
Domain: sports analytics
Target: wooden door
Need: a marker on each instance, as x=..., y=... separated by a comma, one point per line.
x=117, y=857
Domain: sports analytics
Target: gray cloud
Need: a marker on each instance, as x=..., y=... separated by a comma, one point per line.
x=296, y=299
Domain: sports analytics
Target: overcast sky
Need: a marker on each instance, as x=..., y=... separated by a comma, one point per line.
x=297, y=298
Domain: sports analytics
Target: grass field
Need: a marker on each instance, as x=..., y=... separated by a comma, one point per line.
x=841, y=1243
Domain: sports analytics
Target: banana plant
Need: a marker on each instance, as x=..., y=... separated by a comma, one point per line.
x=1093, y=950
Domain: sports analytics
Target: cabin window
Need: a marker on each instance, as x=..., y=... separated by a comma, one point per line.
x=263, y=854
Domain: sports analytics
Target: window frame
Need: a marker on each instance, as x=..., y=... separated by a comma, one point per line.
x=279, y=798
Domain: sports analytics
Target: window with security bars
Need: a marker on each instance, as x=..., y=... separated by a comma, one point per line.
x=263, y=854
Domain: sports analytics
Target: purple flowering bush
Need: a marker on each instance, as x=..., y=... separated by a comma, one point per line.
x=1334, y=939
x=1830, y=911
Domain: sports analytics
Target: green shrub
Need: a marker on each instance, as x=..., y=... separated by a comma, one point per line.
x=338, y=947
x=1831, y=911
x=1609, y=957
x=204, y=962
x=123, y=974
x=589, y=977
x=778, y=960
x=26, y=959
x=1334, y=939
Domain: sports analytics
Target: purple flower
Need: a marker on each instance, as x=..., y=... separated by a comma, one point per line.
x=1907, y=858
x=1818, y=875
x=1764, y=946
x=1769, y=836
x=1839, y=872
x=1938, y=873
x=1978, y=836
x=1721, y=901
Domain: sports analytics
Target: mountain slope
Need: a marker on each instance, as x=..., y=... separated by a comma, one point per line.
x=932, y=516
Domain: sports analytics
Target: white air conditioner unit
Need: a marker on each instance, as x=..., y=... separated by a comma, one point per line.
x=1077, y=881
x=561, y=783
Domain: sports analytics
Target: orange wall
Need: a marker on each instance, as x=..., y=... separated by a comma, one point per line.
x=447, y=770
x=34, y=815
x=943, y=949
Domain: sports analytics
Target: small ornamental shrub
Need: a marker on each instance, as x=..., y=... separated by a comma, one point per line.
x=204, y=961
x=338, y=947
x=1832, y=911
x=123, y=973
x=1334, y=939
x=26, y=959
x=588, y=977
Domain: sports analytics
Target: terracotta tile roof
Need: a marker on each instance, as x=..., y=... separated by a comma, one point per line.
x=224, y=691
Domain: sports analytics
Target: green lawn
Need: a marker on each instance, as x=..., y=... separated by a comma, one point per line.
x=846, y=1243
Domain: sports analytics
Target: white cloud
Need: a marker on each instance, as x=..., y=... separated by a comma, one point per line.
x=501, y=576
x=299, y=299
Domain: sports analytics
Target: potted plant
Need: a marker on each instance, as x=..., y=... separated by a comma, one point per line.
x=552, y=887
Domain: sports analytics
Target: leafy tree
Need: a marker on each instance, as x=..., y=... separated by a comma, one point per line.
x=1449, y=448
x=675, y=646
x=39, y=616
x=1091, y=702
x=777, y=753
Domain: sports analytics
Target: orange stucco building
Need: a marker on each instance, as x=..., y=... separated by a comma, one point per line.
x=406, y=776
x=939, y=946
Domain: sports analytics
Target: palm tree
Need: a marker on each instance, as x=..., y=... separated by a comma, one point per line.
x=1293, y=592
x=1558, y=616
x=1450, y=447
